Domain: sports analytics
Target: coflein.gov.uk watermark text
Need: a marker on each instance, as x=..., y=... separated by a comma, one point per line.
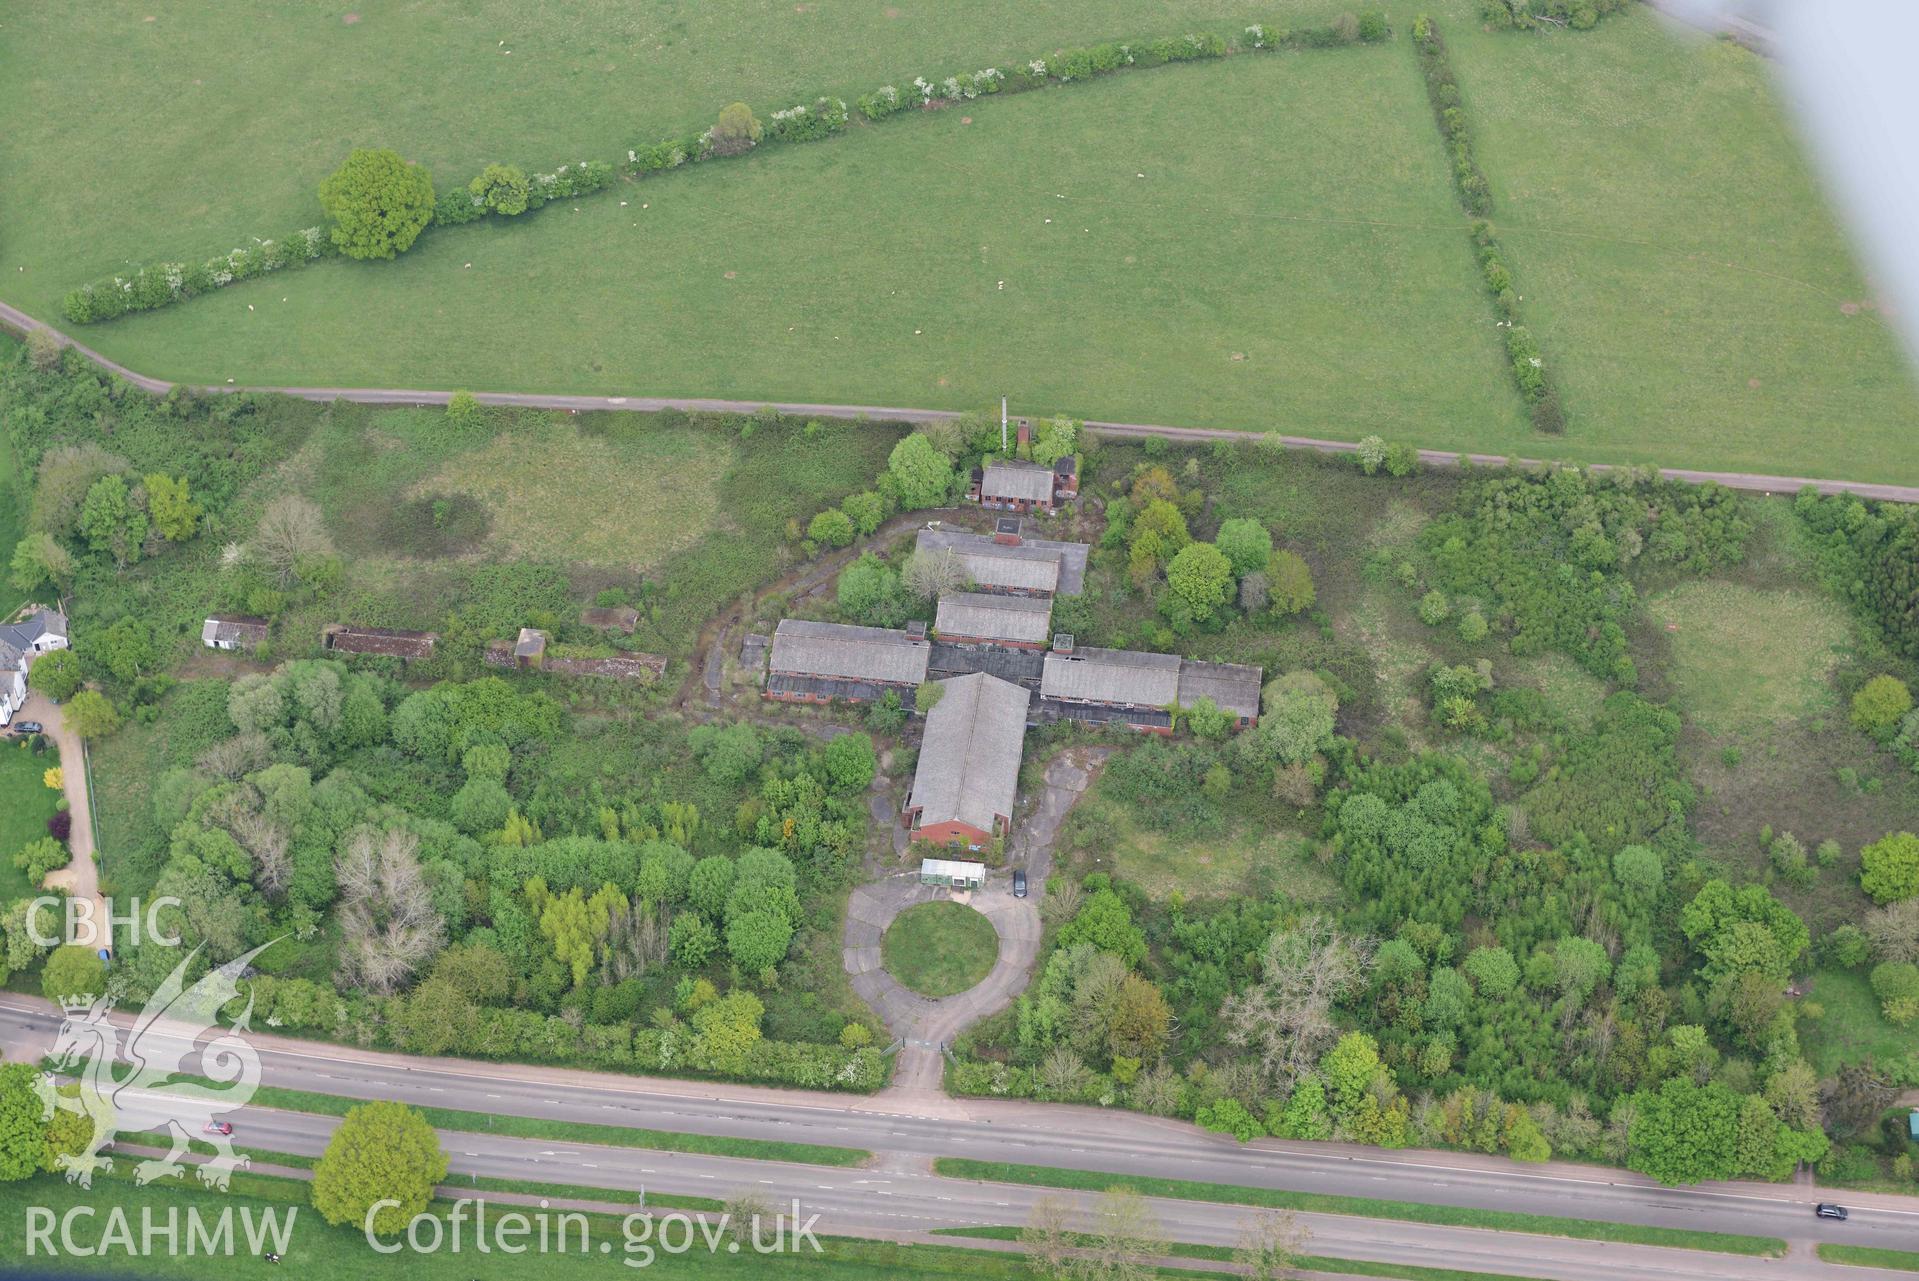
x=468, y=1225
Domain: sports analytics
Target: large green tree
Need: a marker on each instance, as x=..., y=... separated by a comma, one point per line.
x=1684, y=1133
x=379, y=203
x=91, y=715
x=381, y=1151
x=918, y=473
x=1889, y=868
x=1245, y=543
x=758, y=939
x=72, y=971
x=1200, y=575
x=56, y=674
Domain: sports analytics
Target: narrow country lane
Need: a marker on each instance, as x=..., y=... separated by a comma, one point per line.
x=81, y=877
x=1752, y=481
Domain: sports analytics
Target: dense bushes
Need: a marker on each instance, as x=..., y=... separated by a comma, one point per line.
x=1531, y=15
x=1554, y=553
x=1868, y=552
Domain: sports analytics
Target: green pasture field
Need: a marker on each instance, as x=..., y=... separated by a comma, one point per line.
x=1291, y=258
x=1267, y=242
x=1693, y=293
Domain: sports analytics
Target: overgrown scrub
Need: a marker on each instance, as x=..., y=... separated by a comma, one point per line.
x=1535, y=15
x=1555, y=553
x=1868, y=553
x=1475, y=197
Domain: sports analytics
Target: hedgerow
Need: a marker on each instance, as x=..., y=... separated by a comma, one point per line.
x=1475, y=197
x=161, y=284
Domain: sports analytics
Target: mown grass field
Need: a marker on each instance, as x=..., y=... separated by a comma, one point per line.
x=939, y=948
x=1691, y=290
x=1292, y=257
x=1746, y=658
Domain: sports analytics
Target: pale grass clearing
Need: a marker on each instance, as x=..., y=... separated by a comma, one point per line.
x=1745, y=657
x=624, y=502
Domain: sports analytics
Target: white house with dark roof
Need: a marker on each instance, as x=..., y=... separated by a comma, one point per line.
x=968, y=771
x=819, y=662
x=40, y=632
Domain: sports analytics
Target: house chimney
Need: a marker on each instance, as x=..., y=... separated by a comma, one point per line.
x=1063, y=643
x=1025, y=432
x=1006, y=531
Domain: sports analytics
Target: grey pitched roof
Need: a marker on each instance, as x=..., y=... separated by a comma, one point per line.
x=1234, y=687
x=1011, y=618
x=969, y=759
x=1023, y=481
x=1120, y=676
x=233, y=629
x=42, y=622
x=1022, y=566
x=857, y=653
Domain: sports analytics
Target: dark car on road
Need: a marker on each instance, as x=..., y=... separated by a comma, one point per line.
x=1827, y=1210
x=1019, y=882
x=29, y=727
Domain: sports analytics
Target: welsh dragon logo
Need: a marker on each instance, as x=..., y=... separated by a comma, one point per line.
x=146, y=1096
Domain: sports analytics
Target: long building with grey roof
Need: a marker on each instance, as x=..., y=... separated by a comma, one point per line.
x=968, y=772
x=979, y=618
x=819, y=662
x=1010, y=563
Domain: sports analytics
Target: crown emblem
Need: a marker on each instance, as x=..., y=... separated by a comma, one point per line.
x=77, y=1004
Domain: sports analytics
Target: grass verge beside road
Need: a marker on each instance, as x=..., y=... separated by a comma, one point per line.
x=318, y=1250
x=455, y=1183
x=1367, y=1207
x=1305, y=1262
x=1870, y=1256
x=528, y=1127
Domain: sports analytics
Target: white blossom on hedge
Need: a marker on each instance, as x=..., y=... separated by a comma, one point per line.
x=1037, y=66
